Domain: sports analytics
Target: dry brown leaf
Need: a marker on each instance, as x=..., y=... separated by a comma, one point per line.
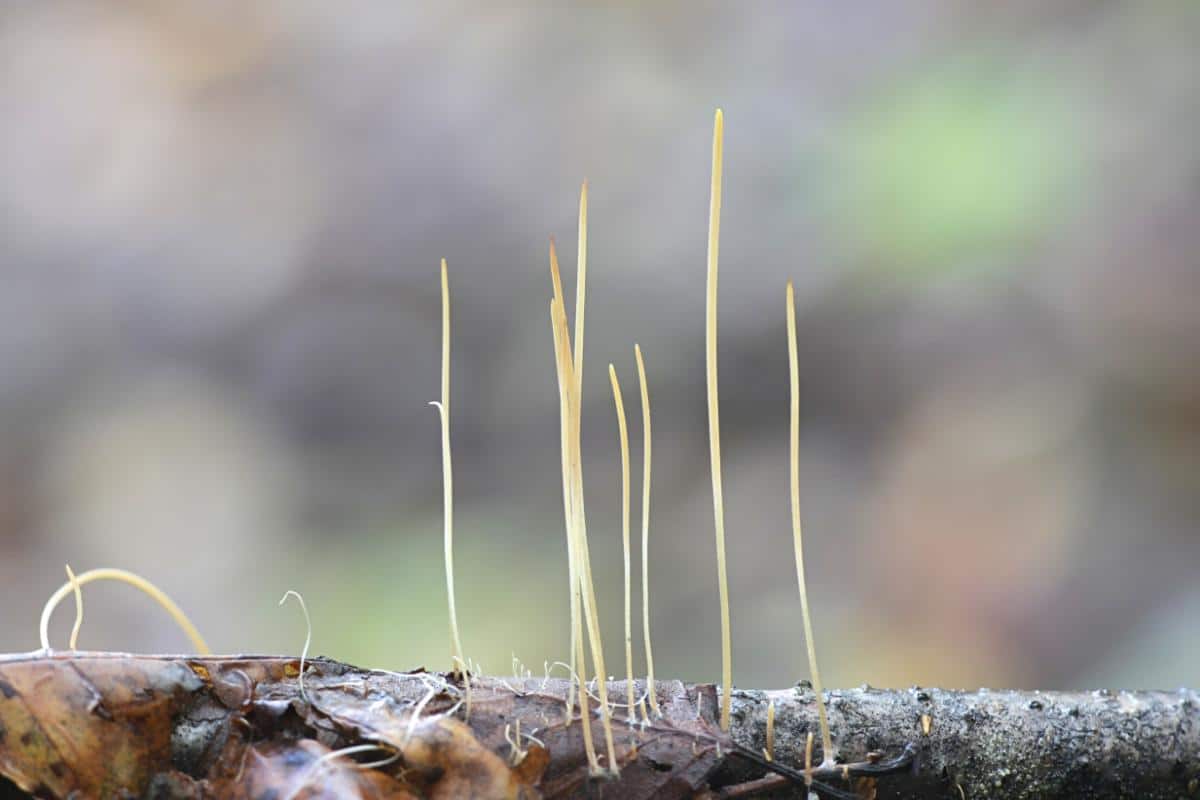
x=106, y=724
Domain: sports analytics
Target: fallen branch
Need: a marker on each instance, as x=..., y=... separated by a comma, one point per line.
x=1009, y=744
x=101, y=724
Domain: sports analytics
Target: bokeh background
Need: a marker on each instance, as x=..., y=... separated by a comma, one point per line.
x=220, y=226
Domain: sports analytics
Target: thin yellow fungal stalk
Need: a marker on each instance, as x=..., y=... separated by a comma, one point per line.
x=556, y=278
x=580, y=288
x=583, y=558
x=457, y=660
x=714, y=421
x=583, y=573
x=574, y=365
x=797, y=536
x=558, y=325
x=624, y=434
x=583, y=568
x=78, y=608
x=564, y=432
x=637, y=352
x=123, y=576
x=307, y=633
x=769, y=752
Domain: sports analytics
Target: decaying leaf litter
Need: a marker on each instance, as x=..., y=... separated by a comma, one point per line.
x=111, y=724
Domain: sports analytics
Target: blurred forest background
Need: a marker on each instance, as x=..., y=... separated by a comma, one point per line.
x=220, y=225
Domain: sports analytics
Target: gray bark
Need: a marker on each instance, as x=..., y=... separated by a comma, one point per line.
x=196, y=719
x=1009, y=744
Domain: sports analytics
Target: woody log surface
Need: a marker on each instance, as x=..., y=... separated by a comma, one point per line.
x=116, y=725
x=1009, y=744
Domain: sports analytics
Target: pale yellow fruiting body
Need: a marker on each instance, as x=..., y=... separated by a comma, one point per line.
x=580, y=288
x=457, y=660
x=307, y=632
x=637, y=352
x=575, y=366
x=583, y=567
x=578, y=667
x=571, y=379
x=769, y=751
x=556, y=275
x=714, y=421
x=623, y=431
x=78, y=608
x=123, y=576
x=578, y=532
x=797, y=536
x=565, y=436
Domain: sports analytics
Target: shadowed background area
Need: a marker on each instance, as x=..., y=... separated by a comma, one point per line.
x=220, y=225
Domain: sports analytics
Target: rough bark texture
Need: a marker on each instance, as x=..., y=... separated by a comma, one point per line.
x=1101, y=744
x=107, y=724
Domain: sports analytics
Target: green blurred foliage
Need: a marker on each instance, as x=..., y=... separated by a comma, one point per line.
x=380, y=599
x=951, y=169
